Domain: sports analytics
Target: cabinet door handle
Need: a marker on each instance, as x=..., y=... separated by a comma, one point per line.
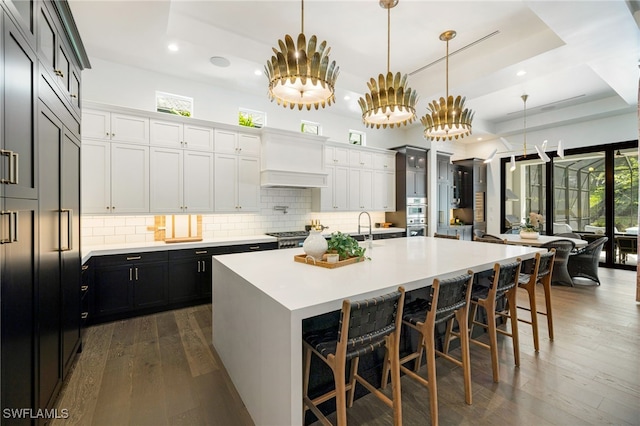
x=198, y=266
x=12, y=170
x=203, y=266
x=130, y=274
x=69, y=245
x=136, y=274
x=73, y=95
x=84, y=288
x=134, y=258
x=13, y=227
x=84, y=315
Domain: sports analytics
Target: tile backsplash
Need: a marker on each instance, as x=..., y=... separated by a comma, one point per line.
x=112, y=229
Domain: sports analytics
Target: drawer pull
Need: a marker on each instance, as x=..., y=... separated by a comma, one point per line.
x=134, y=258
x=84, y=315
x=85, y=267
x=84, y=288
x=201, y=252
x=254, y=248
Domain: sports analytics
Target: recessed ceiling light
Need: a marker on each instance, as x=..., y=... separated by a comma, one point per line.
x=258, y=72
x=220, y=61
x=479, y=139
x=173, y=47
x=521, y=73
x=347, y=97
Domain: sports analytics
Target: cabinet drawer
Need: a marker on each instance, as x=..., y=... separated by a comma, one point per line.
x=243, y=248
x=115, y=259
x=198, y=252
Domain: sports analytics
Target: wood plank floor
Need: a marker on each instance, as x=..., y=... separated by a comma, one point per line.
x=162, y=370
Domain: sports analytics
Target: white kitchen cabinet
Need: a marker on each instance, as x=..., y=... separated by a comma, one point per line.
x=115, y=178
x=360, y=189
x=237, y=183
x=115, y=127
x=335, y=196
x=384, y=191
x=181, y=181
x=336, y=155
x=360, y=159
x=129, y=178
x=230, y=142
x=385, y=162
x=179, y=135
x=96, y=177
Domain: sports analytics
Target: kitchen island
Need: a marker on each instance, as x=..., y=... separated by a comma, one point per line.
x=261, y=299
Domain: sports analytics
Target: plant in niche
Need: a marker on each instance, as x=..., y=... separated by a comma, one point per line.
x=345, y=246
x=245, y=119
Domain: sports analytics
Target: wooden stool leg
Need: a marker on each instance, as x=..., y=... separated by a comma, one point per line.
x=431, y=377
x=490, y=308
x=546, y=284
x=531, y=291
x=461, y=317
x=385, y=370
x=352, y=381
x=447, y=334
x=394, y=353
x=307, y=370
x=513, y=314
x=341, y=397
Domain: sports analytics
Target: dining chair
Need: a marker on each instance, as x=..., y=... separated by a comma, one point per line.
x=450, y=237
x=540, y=273
x=448, y=300
x=584, y=263
x=488, y=238
x=364, y=326
x=504, y=283
x=560, y=274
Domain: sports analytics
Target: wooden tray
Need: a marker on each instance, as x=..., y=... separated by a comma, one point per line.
x=302, y=258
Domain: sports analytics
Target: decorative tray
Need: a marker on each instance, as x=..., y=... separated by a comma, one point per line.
x=303, y=258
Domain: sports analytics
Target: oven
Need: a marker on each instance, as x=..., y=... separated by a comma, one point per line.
x=416, y=217
x=416, y=207
x=291, y=239
x=416, y=230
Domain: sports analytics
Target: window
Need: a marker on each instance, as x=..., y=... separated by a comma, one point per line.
x=174, y=104
x=252, y=118
x=311, y=127
x=357, y=138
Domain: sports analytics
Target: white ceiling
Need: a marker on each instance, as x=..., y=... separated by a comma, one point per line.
x=580, y=57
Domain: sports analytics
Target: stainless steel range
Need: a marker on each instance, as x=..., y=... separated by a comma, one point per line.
x=290, y=239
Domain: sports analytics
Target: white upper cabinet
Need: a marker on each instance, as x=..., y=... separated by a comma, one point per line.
x=384, y=191
x=178, y=135
x=337, y=156
x=360, y=189
x=384, y=162
x=96, y=177
x=115, y=127
x=360, y=159
x=230, y=142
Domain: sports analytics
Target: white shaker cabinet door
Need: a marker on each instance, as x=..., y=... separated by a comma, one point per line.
x=96, y=124
x=225, y=142
x=129, y=128
x=129, y=178
x=96, y=177
x=366, y=189
x=248, y=184
x=384, y=192
x=248, y=145
x=198, y=138
x=166, y=180
x=164, y=133
x=226, y=184
x=341, y=189
x=198, y=182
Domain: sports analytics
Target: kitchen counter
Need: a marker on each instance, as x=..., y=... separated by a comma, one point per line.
x=261, y=299
x=107, y=249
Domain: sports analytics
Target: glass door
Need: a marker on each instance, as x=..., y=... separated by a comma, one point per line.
x=525, y=192
x=625, y=206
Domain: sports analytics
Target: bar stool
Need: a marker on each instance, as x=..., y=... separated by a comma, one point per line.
x=505, y=279
x=364, y=326
x=448, y=300
x=541, y=273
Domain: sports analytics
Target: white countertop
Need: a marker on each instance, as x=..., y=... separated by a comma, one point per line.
x=108, y=249
x=412, y=262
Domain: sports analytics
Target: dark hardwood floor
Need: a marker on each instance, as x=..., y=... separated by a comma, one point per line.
x=162, y=369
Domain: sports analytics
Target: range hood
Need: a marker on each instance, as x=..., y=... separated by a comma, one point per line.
x=292, y=160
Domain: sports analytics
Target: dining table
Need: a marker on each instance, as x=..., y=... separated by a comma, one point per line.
x=517, y=240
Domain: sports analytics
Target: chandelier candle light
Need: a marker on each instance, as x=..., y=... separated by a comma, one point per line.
x=447, y=118
x=390, y=102
x=301, y=75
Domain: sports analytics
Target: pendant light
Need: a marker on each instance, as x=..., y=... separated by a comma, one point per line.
x=447, y=118
x=390, y=102
x=300, y=74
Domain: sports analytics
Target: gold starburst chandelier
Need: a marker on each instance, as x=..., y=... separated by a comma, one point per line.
x=390, y=102
x=300, y=74
x=447, y=118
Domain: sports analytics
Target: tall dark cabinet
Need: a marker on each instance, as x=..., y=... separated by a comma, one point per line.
x=39, y=202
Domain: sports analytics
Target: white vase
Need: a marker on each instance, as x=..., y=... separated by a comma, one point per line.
x=315, y=245
x=531, y=235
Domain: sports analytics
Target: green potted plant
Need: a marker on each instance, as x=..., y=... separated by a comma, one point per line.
x=532, y=226
x=345, y=246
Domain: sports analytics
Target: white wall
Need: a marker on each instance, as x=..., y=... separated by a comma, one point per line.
x=116, y=84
